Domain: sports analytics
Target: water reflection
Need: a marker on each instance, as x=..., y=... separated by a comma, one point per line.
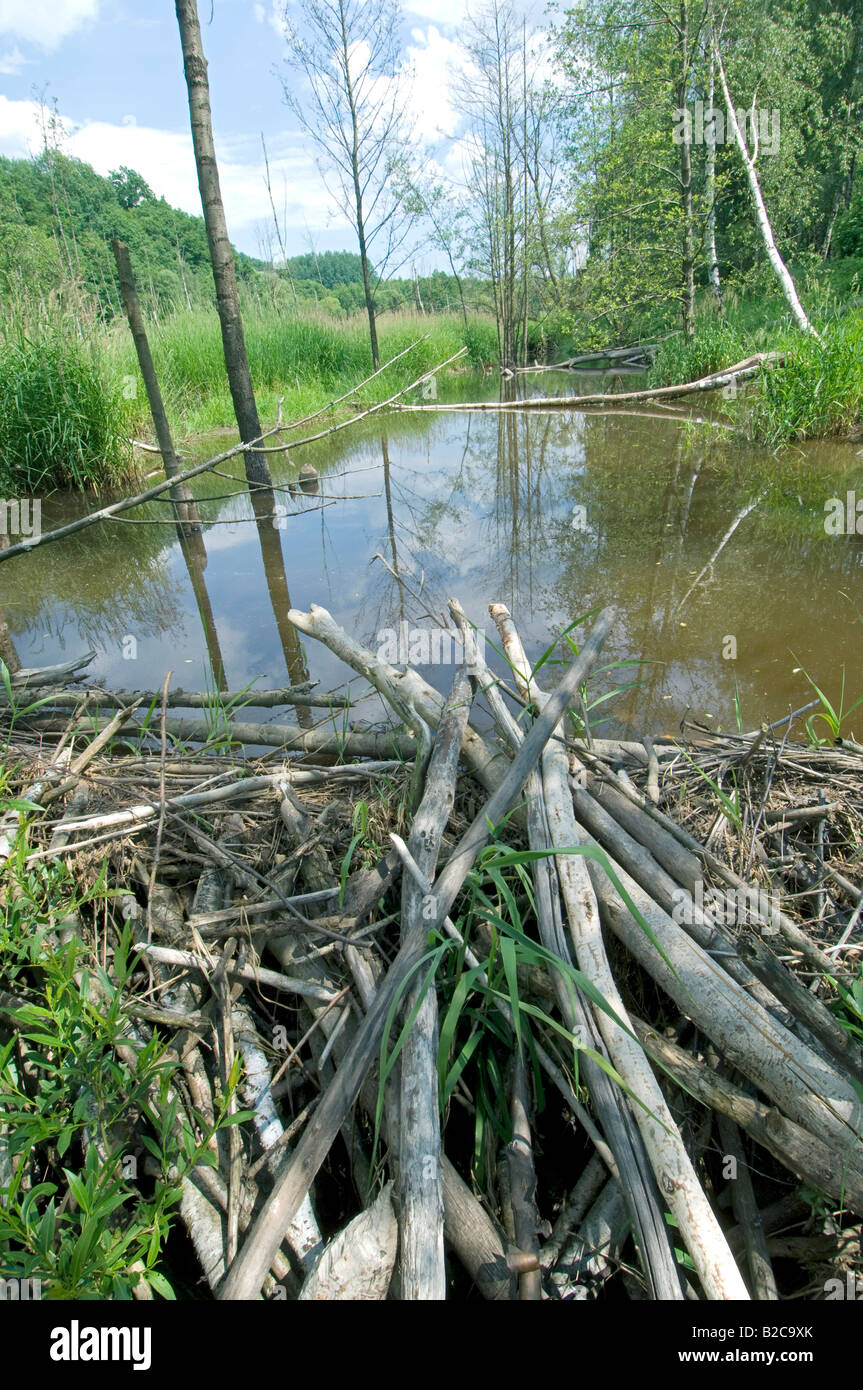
x=554, y=514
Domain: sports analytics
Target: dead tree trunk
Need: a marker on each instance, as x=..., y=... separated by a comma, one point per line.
x=181, y=493
x=710, y=170
x=221, y=252
x=782, y=274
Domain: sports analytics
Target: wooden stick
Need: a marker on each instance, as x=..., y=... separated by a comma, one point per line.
x=245, y=1277
x=421, y=1225
x=188, y=699
x=804, y=1006
x=796, y=1148
x=354, y=743
x=522, y=1181
x=372, y=409
x=740, y=371
x=669, y=1159
x=809, y=1089
x=632, y=1168
x=181, y=494
x=488, y=764
x=761, y=1277
x=47, y=537
x=251, y=974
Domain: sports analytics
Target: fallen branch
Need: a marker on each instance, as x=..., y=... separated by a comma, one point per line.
x=246, y=1276
x=729, y=376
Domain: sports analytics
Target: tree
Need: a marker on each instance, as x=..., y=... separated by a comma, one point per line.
x=633, y=66
x=353, y=109
x=510, y=171
x=130, y=187
x=221, y=251
x=781, y=270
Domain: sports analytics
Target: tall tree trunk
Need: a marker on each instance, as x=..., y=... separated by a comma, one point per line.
x=779, y=266
x=688, y=238
x=710, y=229
x=367, y=279
x=221, y=254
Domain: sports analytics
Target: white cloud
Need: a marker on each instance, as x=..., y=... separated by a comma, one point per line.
x=46, y=22
x=18, y=128
x=435, y=60
x=441, y=11
x=12, y=61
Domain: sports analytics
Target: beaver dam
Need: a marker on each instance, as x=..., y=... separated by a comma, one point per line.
x=470, y=1004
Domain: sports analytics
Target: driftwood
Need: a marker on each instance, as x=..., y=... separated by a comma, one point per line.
x=353, y=743
x=358, y=1264
x=797, y=1149
x=244, y=1279
x=422, y=1272
x=206, y=889
x=186, y=699
x=671, y=1164
x=631, y=1166
x=729, y=376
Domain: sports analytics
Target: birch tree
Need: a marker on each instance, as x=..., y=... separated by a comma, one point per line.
x=781, y=271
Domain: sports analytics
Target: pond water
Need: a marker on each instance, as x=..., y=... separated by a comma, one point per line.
x=713, y=552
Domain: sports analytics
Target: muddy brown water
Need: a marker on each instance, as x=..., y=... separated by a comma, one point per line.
x=714, y=552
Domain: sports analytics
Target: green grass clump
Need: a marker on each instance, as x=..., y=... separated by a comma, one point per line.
x=309, y=358
x=816, y=393
x=64, y=419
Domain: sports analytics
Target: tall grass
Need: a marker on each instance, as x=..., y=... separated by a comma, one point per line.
x=71, y=395
x=309, y=359
x=64, y=418
x=817, y=392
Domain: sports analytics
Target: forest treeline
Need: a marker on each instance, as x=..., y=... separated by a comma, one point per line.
x=58, y=216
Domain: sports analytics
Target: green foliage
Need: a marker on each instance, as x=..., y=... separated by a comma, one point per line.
x=71, y=1211
x=64, y=420
x=309, y=358
x=818, y=391
x=849, y=1009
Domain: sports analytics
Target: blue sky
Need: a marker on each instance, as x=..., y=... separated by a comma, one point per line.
x=115, y=69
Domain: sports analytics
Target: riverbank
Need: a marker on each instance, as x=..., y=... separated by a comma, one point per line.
x=71, y=396
x=818, y=394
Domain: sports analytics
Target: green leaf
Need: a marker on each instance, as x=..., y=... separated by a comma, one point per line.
x=160, y=1284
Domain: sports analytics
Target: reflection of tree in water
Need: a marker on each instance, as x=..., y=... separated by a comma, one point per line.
x=8, y=654
x=482, y=505
x=263, y=503
x=488, y=524
x=651, y=532
x=194, y=553
x=100, y=592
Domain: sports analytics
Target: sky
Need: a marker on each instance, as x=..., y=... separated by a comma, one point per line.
x=115, y=70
